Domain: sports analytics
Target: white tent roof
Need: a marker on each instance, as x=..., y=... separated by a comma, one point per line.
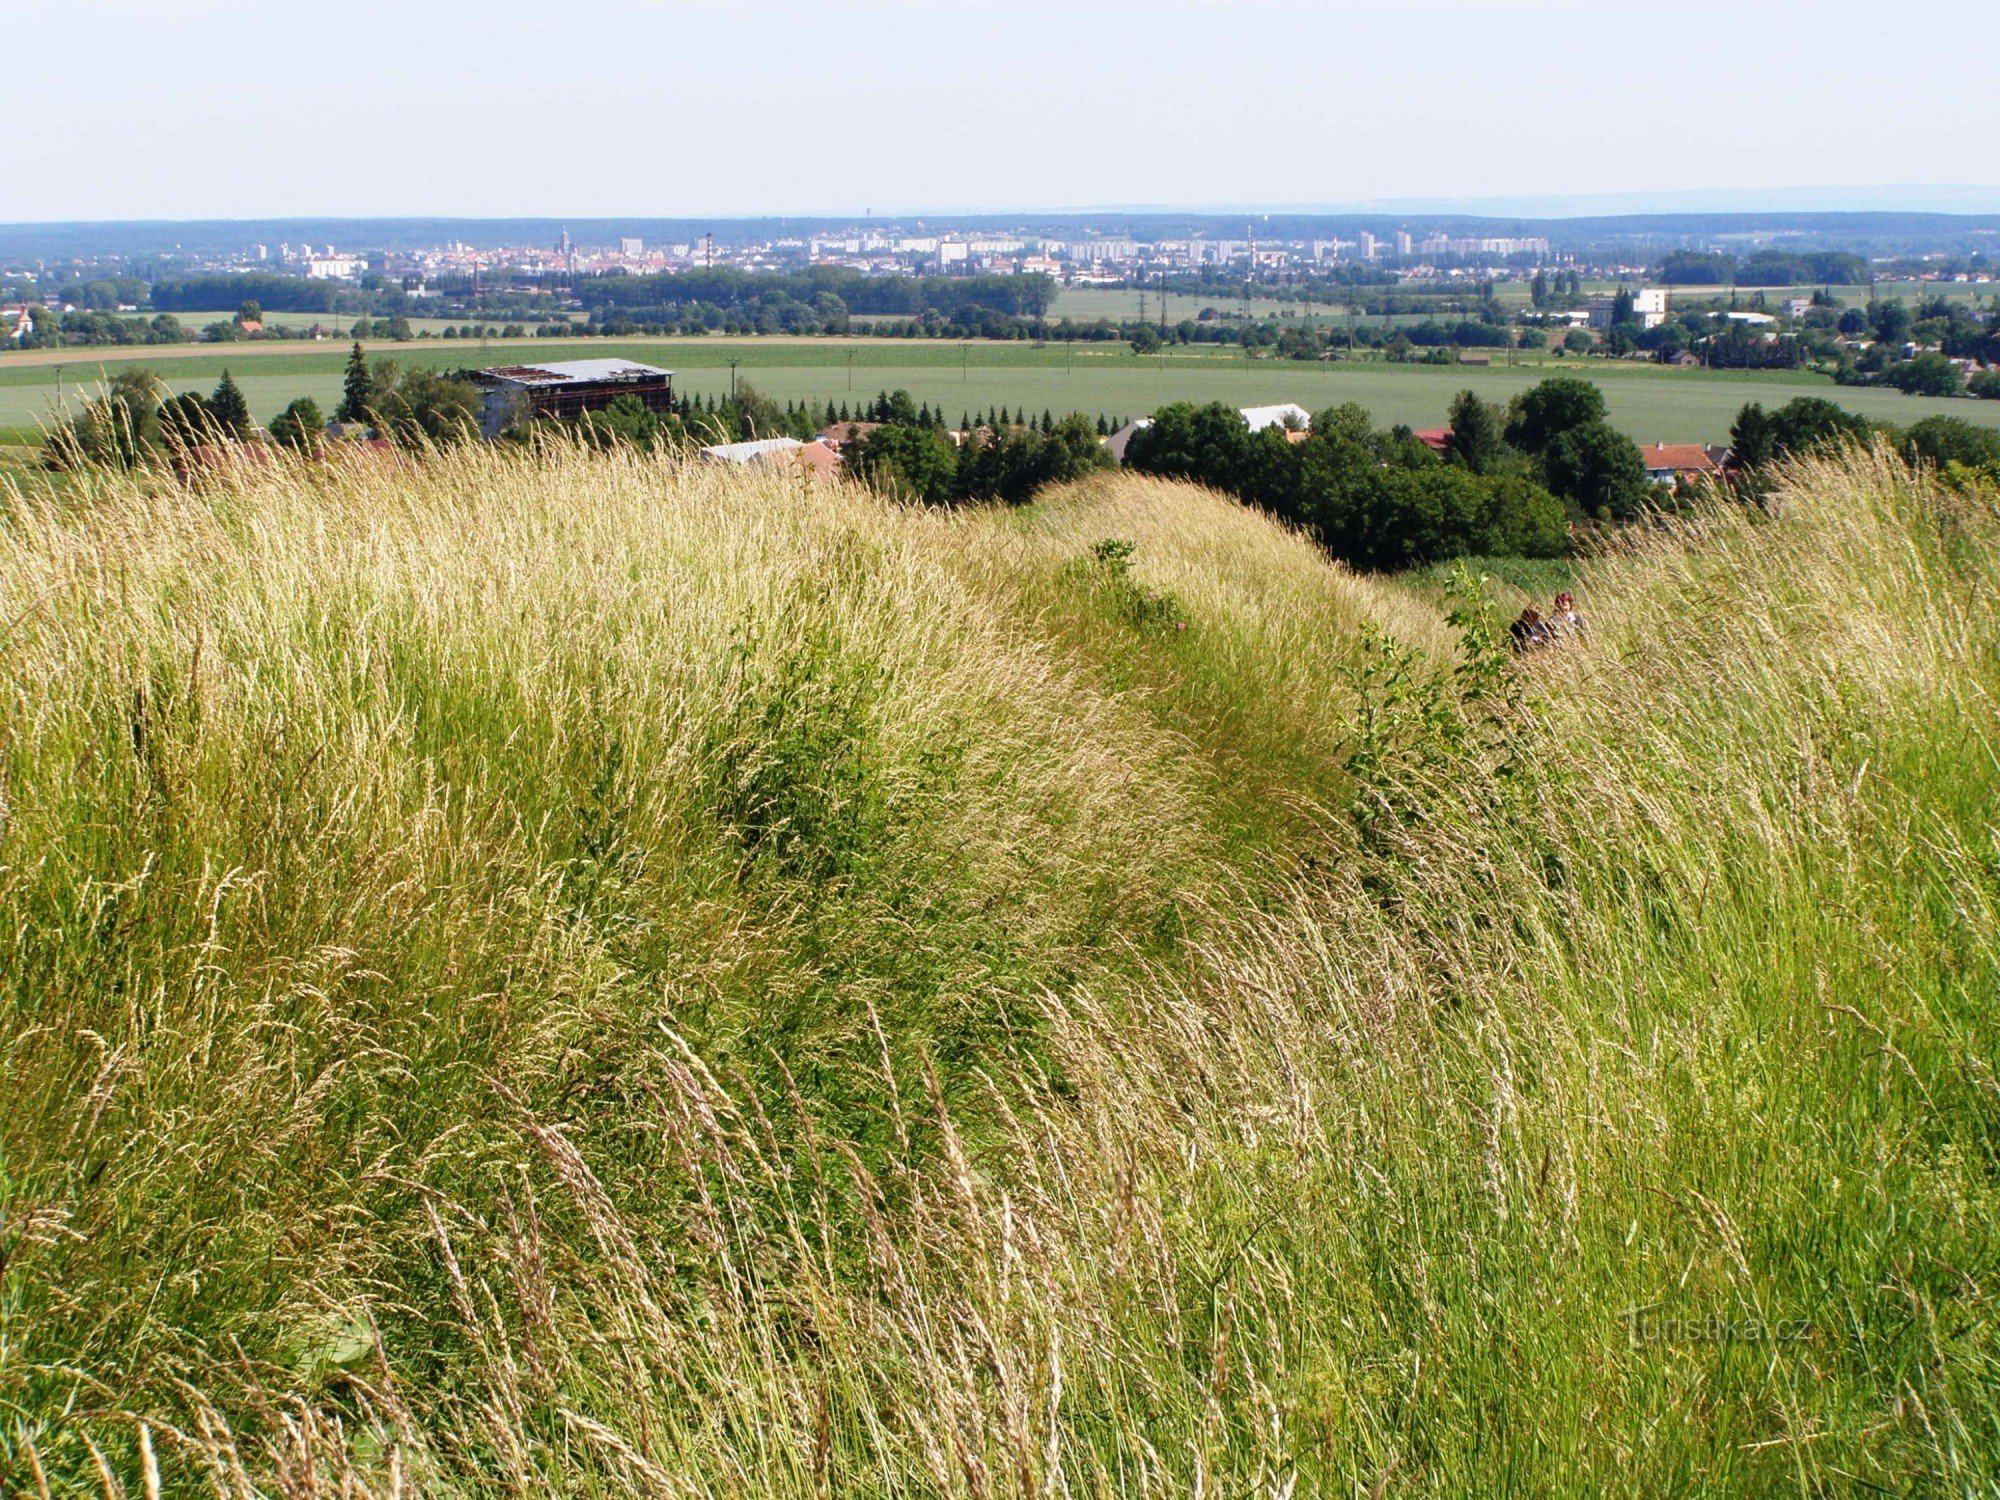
x=1260, y=417
x=742, y=453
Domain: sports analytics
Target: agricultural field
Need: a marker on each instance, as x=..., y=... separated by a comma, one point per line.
x=1652, y=403
x=277, y=318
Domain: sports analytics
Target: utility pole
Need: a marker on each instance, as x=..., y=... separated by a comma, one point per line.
x=1249, y=275
x=732, y=380
x=850, y=369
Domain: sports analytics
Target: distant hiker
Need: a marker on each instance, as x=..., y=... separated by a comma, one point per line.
x=1567, y=622
x=1528, y=630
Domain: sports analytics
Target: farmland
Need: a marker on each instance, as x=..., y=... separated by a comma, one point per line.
x=1649, y=402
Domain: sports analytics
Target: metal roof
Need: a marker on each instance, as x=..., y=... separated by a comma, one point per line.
x=742, y=453
x=1260, y=417
x=573, y=372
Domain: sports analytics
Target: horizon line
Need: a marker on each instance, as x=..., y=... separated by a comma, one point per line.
x=1947, y=200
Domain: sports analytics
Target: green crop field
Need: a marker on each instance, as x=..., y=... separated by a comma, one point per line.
x=1652, y=403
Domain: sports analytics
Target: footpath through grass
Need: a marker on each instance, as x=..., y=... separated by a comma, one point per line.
x=564, y=974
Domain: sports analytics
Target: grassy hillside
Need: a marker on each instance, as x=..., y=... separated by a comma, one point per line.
x=567, y=975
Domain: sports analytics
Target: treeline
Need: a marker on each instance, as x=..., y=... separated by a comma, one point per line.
x=1760, y=439
x=1954, y=329
x=898, y=407
x=1518, y=480
x=1385, y=499
x=819, y=287
x=1763, y=268
x=913, y=456
x=138, y=422
x=296, y=294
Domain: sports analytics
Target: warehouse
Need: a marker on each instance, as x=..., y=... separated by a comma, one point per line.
x=515, y=393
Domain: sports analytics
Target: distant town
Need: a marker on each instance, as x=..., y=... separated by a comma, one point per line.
x=1102, y=260
x=1905, y=305
x=1851, y=296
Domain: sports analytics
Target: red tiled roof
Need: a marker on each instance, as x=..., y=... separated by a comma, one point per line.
x=219, y=458
x=1681, y=458
x=820, y=460
x=839, y=432
x=1437, y=439
x=354, y=450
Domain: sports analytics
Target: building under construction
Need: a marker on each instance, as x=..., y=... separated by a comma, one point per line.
x=568, y=388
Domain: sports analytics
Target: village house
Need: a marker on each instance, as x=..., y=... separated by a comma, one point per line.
x=816, y=459
x=838, y=435
x=1669, y=463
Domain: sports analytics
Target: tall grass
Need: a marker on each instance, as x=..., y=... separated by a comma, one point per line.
x=565, y=974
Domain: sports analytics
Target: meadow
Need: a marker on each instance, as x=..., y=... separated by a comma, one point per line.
x=565, y=974
x=1651, y=403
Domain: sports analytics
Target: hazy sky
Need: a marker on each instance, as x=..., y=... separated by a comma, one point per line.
x=242, y=108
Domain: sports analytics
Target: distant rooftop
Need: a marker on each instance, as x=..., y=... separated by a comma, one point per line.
x=572, y=372
x=743, y=453
x=1260, y=417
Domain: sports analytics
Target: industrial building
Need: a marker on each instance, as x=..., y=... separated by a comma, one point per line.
x=1649, y=308
x=569, y=388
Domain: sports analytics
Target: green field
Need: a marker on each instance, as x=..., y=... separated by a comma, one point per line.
x=1650, y=402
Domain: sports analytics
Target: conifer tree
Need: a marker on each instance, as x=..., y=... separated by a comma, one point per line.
x=357, y=390
x=227, y=406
